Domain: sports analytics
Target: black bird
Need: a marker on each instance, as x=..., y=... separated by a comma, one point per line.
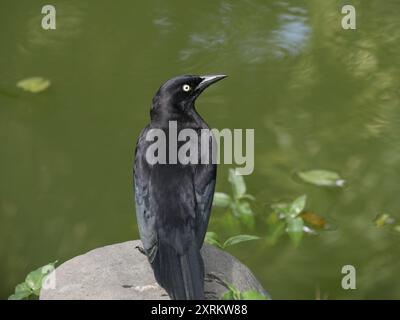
x=173, y=201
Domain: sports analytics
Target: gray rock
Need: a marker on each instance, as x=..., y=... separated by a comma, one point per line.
x=120, y=271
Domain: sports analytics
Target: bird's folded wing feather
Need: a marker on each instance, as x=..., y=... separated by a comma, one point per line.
x=145, y=218
x=204, y=185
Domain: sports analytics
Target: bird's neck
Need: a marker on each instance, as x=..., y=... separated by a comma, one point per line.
x=161, y=117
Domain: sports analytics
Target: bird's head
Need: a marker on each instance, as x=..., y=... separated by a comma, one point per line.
x=178, y=94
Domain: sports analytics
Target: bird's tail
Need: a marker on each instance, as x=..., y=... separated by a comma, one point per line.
x=182, y=276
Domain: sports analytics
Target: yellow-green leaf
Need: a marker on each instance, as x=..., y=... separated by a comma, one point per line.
x=212, y=238
x=34, y=84
x=238, y=239
x=298, y=205
x=252, y=295
x=383, y=219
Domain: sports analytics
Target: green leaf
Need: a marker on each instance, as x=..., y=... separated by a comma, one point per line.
x=240, y=209
x=383, y=219
x=252, y=295
x=281, y=208
x=34, y=279
x=20, y=295
x=228, y=295
x=232, y=294
x=221, y=200
x=238, y=239
x=322, y=178
x=248, y=197
x=33, y=283
x=237, y=183
x=235, y=210
x=243, y=212
x=295, y=229
x=298, y=205
x=22, y=291
x=231, y=287
x=275, y=231
x=212, y=238
x=244, y=208
x=22, y=287
x=247, y=221
x=34, y=84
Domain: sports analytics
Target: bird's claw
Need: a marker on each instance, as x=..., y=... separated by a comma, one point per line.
x=141, y=250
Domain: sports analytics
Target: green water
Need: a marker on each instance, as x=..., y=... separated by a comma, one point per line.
x=317, y=96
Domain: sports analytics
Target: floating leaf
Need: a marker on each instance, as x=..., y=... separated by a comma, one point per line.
x=298, y=205
x=252, y=295
x=237, y=183
x=34, y=84
x=221, y=200
x=384, y=219
x=238, y=239
x=212, y=238
x=295, y=230
x=322, y=178
x=314, y=220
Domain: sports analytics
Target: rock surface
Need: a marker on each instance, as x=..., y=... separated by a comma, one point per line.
x=121, y=271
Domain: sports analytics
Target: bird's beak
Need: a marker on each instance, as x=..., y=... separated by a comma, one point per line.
x=207, y=81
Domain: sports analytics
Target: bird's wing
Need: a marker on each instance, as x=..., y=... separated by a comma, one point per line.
x=177, y=264
x=145, y=217
x=172, y=199
x=204, y=177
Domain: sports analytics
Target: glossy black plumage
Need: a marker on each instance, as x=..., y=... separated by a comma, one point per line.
x=173, y=201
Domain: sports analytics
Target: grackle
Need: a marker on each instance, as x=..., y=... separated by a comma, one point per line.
x=173, y=200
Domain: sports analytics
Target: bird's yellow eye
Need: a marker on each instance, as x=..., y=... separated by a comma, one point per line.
x=186, y=88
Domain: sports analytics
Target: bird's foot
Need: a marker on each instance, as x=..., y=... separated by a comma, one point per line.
x=141, y=250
